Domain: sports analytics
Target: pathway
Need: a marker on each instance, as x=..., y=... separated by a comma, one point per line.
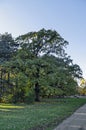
x=75, y=122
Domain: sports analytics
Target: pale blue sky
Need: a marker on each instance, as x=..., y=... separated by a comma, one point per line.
x=68, y=17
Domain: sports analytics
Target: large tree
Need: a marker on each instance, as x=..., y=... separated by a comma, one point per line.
x=37, y=44
x=40, y=60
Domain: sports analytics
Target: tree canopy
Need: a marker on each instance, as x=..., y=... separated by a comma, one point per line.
x=7, y=47
x=36, y=65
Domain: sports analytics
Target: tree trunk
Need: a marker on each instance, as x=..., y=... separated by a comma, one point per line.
x=8, y=80
x=37, y=91
x=2, y=83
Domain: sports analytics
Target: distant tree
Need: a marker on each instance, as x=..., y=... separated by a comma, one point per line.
x=83, y=83
x=8, y=47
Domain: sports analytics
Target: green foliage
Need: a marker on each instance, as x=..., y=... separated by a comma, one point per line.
x=7, y=98
x=51, y=92
x=29, y=96
x=7, y=47
x=37, y=62
x=43, y=42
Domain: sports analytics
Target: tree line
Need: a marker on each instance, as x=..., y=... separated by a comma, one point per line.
x=35, y=65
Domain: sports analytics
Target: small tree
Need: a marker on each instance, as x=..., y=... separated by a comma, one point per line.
x=7, y=47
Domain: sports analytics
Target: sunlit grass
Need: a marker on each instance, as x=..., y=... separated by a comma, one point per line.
x=10, y=106
x=39, y=116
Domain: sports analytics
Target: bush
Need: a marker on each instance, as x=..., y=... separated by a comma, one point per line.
x=7, y=98
x=29, y=97
x=18, y=96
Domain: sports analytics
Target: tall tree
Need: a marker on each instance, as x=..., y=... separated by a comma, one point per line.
x=8, y=48
x=39, y=43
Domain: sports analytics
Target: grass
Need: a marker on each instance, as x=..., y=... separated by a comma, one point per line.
x=39, y=116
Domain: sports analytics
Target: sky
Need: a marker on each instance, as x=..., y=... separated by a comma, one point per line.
x=67, y=17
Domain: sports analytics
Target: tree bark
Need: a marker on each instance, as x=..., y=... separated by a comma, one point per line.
x=37, y=91
x=8, y=79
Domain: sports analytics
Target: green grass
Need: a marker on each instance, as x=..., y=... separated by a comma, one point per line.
x=39, y=116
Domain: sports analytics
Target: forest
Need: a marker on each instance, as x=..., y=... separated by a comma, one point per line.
x=36, y=65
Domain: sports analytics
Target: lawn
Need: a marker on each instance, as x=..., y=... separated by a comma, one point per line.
x=38, y=116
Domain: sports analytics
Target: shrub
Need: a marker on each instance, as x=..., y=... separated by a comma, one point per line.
x=29, y=97
x=7, y=98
